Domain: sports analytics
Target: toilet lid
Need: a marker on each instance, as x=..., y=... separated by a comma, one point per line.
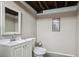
x=39, y=50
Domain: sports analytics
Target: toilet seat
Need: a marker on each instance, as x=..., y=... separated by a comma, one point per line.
x=39, y=51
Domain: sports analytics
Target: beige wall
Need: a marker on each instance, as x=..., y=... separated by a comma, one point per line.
x=28, y=20
x=77, y=40
x=59, y=42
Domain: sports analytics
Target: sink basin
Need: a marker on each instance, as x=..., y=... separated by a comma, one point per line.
x=7, y=42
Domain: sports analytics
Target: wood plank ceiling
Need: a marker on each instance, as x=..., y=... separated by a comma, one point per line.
x=39, y=6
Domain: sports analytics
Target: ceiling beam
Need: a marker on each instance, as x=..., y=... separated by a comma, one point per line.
x=36, y=5
x=65, y=3
x=40, y=4
x=45, y=4
x=55, y=3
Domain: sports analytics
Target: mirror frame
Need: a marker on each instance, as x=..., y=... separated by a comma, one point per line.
x=3, y=32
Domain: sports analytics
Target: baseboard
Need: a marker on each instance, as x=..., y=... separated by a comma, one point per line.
x=57, y=54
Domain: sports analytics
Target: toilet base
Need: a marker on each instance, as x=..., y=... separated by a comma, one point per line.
x=39, y=51
x=38, y=55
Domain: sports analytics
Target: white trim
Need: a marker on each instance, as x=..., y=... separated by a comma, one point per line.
x=20, y=23
x=58, y=53
x=1, y=17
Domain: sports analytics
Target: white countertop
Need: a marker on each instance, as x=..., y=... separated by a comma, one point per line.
x=7, y=42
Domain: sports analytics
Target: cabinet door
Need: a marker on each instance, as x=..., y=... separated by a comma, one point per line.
x=27, y=50
x=18, y=51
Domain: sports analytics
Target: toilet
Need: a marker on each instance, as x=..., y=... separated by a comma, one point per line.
x=39, y=51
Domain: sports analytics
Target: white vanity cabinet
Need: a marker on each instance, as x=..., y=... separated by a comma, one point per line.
x=20, y=50
x=23, y=50
x=17, y=51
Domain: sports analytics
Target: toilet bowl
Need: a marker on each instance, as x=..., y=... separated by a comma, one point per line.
x=39, y=51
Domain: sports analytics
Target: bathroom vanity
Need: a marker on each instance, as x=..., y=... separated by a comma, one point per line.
x=18, y=48
x=10, y=25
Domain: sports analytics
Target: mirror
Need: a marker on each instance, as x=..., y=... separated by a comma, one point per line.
x=11, y=22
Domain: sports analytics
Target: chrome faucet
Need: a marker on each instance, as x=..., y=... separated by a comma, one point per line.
x=13, y=38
